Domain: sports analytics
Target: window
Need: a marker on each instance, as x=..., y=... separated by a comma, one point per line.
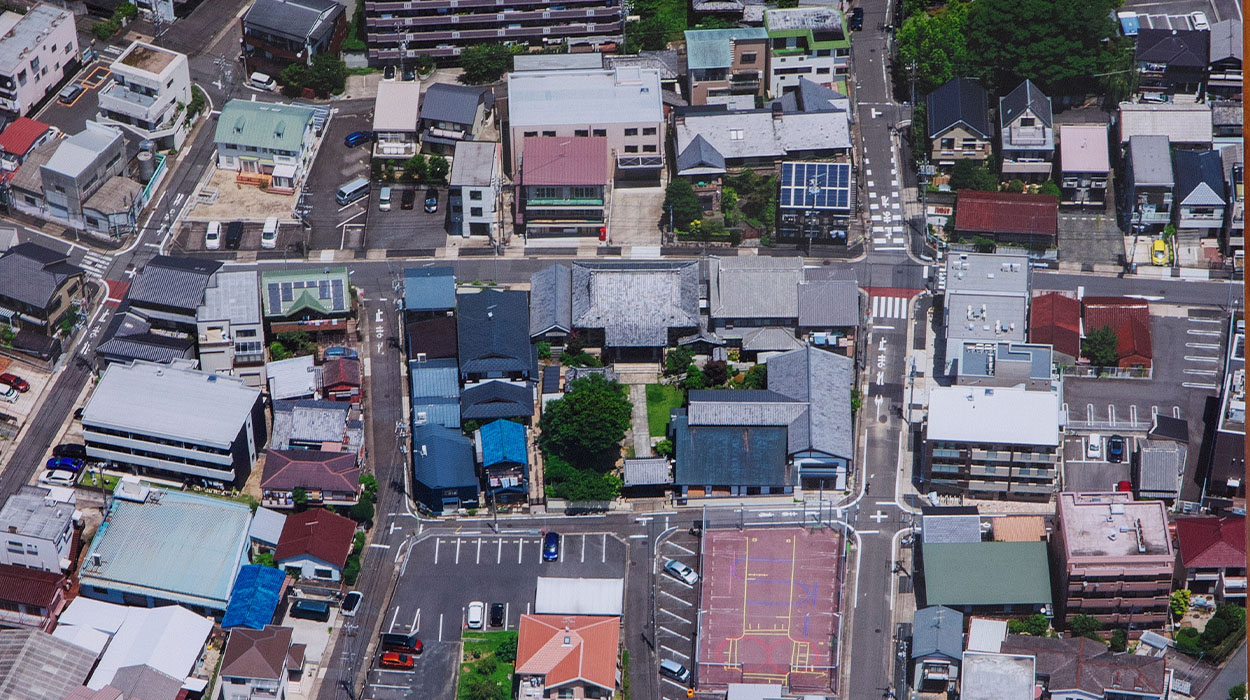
x=736, y=134
x=546, y=192
x=948, y=144
x=323, y=573
x=748, y=58
x=648, y=148
x=15, y=547
x=631, y=149
x=648, y=131
x=581, y=132
x=34, y=64
x=531, y=133
x=246, y=333
x=73, y=289
x=970, y=144
x=475, y=211
x=1028, y=121
x=549, y=133
x=600, y=132
x=475, y=195
x=294, y=572
x=822, y=70
x=631, y=132
x=585, y=193
x=21, y=76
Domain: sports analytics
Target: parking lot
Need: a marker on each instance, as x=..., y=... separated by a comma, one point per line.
x=676, y=609
x=1090, y=238
x=1080, y=473
x=335, y=165
x=291, y=237
x=406, y=229
x=444, y=573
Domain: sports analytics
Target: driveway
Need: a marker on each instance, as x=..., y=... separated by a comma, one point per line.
x=335, y=165
x=406, y=229
x=635, y=215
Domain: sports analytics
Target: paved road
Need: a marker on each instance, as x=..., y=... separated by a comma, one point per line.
x=1234, y=672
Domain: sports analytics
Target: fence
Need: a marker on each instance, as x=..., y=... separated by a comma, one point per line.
x=1091, y=372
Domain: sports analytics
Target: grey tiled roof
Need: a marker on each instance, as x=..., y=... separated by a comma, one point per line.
x=444, y=102
x=636, y=303
x=31, y=273
x=129, y=336
x=824, y=380
x=497, y=400
x=551, y=304
x=754, y=287
x=648, y=471
x=743, y=407
x=1161, y=464
x=1026, y=96
x=730, y=455
x=700, y=157
x=169, y=281
x=309, y=19
x=492, y=331
x=962, y=100
x=948, y=529
x=937, y=631
x=828, y=304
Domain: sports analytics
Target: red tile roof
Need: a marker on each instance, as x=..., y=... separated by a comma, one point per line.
x=1209, y=542
x=1055, y=319
x=259, y=653
x=1007, y=212
x=341, y=372
x=35, y=587
x=589, y=656
x=311, y=469
x=555, y=160
x=20, y=136
x=1130, y=319
x=318, y=533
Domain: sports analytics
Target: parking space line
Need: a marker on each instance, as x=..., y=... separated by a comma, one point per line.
x=507, y=607
x=1132, y=414
x=673, y=614
x=561, y=557
x=520, y=547
x=674, y=651
x=416, y=621
x=437, y=541
x=583, y=549
x=604, y=557
x=393, y=618
x=1204, y=372
x=670, y=680
x=679, y=600
x=1203, y=346
x=1176, y=411
x=1195, y=331
x=674, y=544
x=1197, y=385
x=440, y=627
x=479, y=551
x=499, y=552
x=675, y=634
x=1201, y=358
x=458, y=540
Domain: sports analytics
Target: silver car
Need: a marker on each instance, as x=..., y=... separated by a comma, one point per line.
x=680, y=571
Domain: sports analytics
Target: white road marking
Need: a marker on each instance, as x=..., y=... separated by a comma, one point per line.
x=674, y=651
x=675, y=634
x=679, y=600
x=437, y=542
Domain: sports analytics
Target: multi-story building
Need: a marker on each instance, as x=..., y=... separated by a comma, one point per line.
x=1115, y=560
x=1027, y=133
x=1225, y=486
x=395, y=119
x=726, y=62
x=39, y=287
x=277, y=33
x=959, y=122
x=621, y=106
x=18, y=140
x=1224, y=76
x=1235, y=227
x=807, y=42
x=986, y=301
x=474, y=188
x=149, y=95
x=38, y=530
x=35, y=49
x=1149, y=182
x=1172, y=61
x=1084, y=164
x=30, y=597
x=400, y=31
x=137, y=418
x=454, y=113
x=230, y=334
x=1200, y=195
x=565, y=188
x=258, y=663
x=265, y=143
x=1213, y=555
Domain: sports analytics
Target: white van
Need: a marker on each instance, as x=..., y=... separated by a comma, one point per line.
x=674, y=670
x=1094, y=448
x=352, y=191
x=262, y=81
x=384, y=199
x=269, y=235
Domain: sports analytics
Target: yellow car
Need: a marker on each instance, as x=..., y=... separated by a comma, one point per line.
x=1159, y=253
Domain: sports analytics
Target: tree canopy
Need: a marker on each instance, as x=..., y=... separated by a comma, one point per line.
x=484, y=63
x=935, y=45
x=586, y=426
x=1101, y=347
x=680, y=196
x=968, y=175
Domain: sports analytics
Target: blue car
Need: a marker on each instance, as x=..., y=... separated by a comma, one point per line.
x=68, y=464
x=339, y=352
x=551, y=546
x=358, y=138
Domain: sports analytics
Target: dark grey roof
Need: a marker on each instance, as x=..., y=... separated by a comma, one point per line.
x=1199, y=178
x=1177, y=48
x=636, y=304
x=34, y=665
x=1226, y=40
x=172, y=282
x=1151, y=157
x=551, y=379
x=551, y=301
x=828, y=304
x=648, y=471
x=442, y=457
x=129, y=336
x=492, y=330
x=32, y=274
x=1026, y=96
x=937, y=631
x=445, y=102
x=810, y=97
x=730, y=455
x=497, y=400
x=1169, y=428
x=947, y=529
x=823, y=379
x=1160, y=464
x=960, y=101
x=700, y=154
x=294, y=18
x=143, y=682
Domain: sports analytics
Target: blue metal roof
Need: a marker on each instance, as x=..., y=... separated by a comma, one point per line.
x=435, y=392
x=503, y=441
x=1130, y=24
x=442, y=458
x=429, y=289
x=255, y=597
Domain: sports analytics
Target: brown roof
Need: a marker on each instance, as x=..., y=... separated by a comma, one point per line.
x=1055, y=319
x=19, y=584
x=563, y=160
x=1085, y=664
x=108, y=692
x=1019, y=528
x=1129, y=318
x=318, y=533
x=1007, y=212
x=256, y=653
x=436, y=337
x=311, y=469
x=569, y=648
x=344, y=371
x=1207, y=542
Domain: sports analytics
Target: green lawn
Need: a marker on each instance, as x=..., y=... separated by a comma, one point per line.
x=661, y=400
x=88, y=480
x=482, y=662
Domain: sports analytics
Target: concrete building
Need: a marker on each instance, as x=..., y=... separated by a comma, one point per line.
x=1225, y=484
x=231, y=337
x=565, y=187
x=806, y=42
x=1186, y=124
x=990, y=676
x=622, y=106
x=149, y=95
x=138, y=418
x=725, y=62
x=1007, y=365
x=474, y=189
x=396, y=119
x=1149, y=182
x=1084, y=164
x=38, y=529
x=277, y=33
x=1026, y=133
x=1115, y=560
x=986, y=301
x=35, y=50
x=265, y=143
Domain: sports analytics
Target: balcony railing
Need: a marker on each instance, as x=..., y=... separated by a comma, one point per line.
x=558, y=202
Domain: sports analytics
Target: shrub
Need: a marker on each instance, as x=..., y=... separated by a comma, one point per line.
x=1084, y=626
x=544, y=350
x=1119, y=640
x=1187, y=641
x=664, y=448
x=1035, y=625
x=506, y=651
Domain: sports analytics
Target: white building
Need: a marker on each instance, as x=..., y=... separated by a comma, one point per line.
x=806, y=42
x=34, y=50
x=150, y=94
x=476, y=181
x=396, y=115
x=38, y=529
x=265, y=143
x=228, y=323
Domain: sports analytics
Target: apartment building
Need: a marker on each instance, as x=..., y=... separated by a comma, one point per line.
x=277, y=33
x=1225, y=486
x=149, y=95
x=564, y=187
x=621, y=106
x=726, y=62
x=986, y=301
x=38, y=529
x=137, y=418
x=35, y=49
x=1115, y=560
x=806, y=42
x=474, y=188
x=400, y=31
x=229, y=330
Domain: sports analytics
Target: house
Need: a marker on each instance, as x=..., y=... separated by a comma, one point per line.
x=18, y=139
x=993, y=442
x=572, y=655
x=1186, y=125
x=315, y=545
x=429, y=292
x=255, y=596
x=443, y=475
x=130, y=335
x=474, y=189
x=341, y=379
x=755, y=138
x=259, y=663
x=829, y=314
x=1075, y=667
x=993, y=676
x=502, y=451
x=153, y=435
x=229, y=331
x=1055, y=320
x=493, y=336
x=310, y=424
x=169, y=290
x=633, y=309
x=293, y=378
x=39, y=530
x=30, y=598
x=1009, y=217
x=1213, y=555
x=582, y=25
x=434, y=389
x=1115, y=560
x=1026, y=134
x=36, y=51
x=451, y=114
x=39, y=288
x=937, y=643
x=551, y=305
x=1224, y=69
x=327, y=478
x=25, y=655
x=815, y=202
x=1149, y=182
x=987, y=578
x=158, y=319
x=497, y=398
x=1172, y=61
x=806, y=42
x=1157, y=469
x=622, y=106
x=266, y=143
x=749, y=296
x=1084, y=164
x=1130, y=319
x=986, y=301
x=141, y=557
x=722, y=62
x=1225, y=479
x=266, y=528
x=1200, y=195
x=811, y=96
x=396, y=119
x=318, y=302
x=1227, y=116
x=277, y=33
x=150, y=91
x=959, y=122
x=565, y=187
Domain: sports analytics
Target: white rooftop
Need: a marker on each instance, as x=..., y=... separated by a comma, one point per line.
x=985, y=634
x=235, y=297
x=75, y=153
x=1083, y=148
x=293, y=378
x=579, y=596
x=997, y=677
x=1004, y=416
x=551, y=97
x=398, y=106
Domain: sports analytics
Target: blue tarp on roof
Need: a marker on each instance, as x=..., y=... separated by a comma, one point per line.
x=1129, y=24
x=254, y=598
x=503, y=441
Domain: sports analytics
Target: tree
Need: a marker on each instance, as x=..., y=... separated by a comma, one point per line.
x=299, y=497
x=1119, y=641
x=293, y=78
x=479, y=687
x=327, y=75
x=695, y=379
x=716, y=372
x=1214, y=633
x=677, y=360
x=935, y=45
x=1049, y=187
x=664, y=448
x=484, y=63
x=415, y=168
x=968, y=175
x=1016, y=186
x=369, y=485
x=543, y=348
x=1101, y=348
x=1169, y=232
x=586, y=426
x=1179, y=602
x=1237, y=692
x=1187, y=641
x=1036, y=625
x=647, y=34
x=438, y=169
x=757, y=377
x=506, y=651
x=264, y=559
x=1084, y=625
x=424, y=64
x=681, y=205
x=362, y=512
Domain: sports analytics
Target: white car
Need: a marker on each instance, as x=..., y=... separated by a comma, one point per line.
x=8, y=393
x=1199, y=20
x=475, y=615
x=269, y=235
x=1093, y=449
x=681, y=571
x=212, y=238
x=58, y=477
x=351, y=603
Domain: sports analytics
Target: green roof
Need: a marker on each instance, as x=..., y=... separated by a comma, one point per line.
x=289, y=293
x=821, y=27
x=263, y=124
x=986, y=573
x=713, y=48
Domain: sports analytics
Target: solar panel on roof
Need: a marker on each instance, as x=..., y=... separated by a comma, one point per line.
x=323, y=289
x=297, y=284
x=275, y=296
x=815, y=185
x=287, y=295
x=336, y=290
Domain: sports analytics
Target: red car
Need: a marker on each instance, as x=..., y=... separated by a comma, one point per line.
x=394, y=659
x=15, y=381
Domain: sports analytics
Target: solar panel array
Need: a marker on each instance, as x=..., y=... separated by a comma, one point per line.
x=280, y=293
x=816, y=186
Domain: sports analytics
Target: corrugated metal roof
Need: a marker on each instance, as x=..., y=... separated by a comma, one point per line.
x=648, y=471
x=1007, y=212
x=623, y=95
x=1181, y=123
x=254, y=598
x=987, y=573
x=713, y=48
x=263, y=124
x=579, y=596
x=169, y=281
x=503, y=441
x=560, y=160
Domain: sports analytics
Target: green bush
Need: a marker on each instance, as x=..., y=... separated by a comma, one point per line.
x=506, y=651
x=1187, y=641
x=543, y=348
x=1035, y=625
x=1084, y=626
x=665, y=448
x=1119, y=641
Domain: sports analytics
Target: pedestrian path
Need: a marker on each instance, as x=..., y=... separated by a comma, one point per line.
x=96, y=264
x=889, y=307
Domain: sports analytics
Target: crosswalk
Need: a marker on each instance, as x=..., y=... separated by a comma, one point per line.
x=96, y=264
x=885, y=211
x=889, y=307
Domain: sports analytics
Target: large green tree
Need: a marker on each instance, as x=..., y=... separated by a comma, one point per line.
x=968, y=175
x=682, y=202
x=586, y=426
x=484, y=63
x=1101, y=347
x=935, y=45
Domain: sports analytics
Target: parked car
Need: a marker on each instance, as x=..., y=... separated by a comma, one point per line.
x=384, y=199
x=405, y=643
x=234, y=235
x=410, y=74
x=674, y=670
x=473, y=616
x=1093, y=449
x=212, y=237
x=351, y=603
x=338, y=352
x=269, y=235
x=431, y=201
x=262, y=81
x=496, y=614
x=59, y=478
x=681, y=572
x=1115, y=449
x=65, y=464
x=358, y=138
x=8, y=393
x=1125, y=486
x=856, y=21
x=408, y=199
x=1159, y=252
x=394, y=659
x=15, y=381
x=388, y=73
x=551, y=546
x=71, y=450
x=308, y=609
x=1199, y=20
x=70, y=94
